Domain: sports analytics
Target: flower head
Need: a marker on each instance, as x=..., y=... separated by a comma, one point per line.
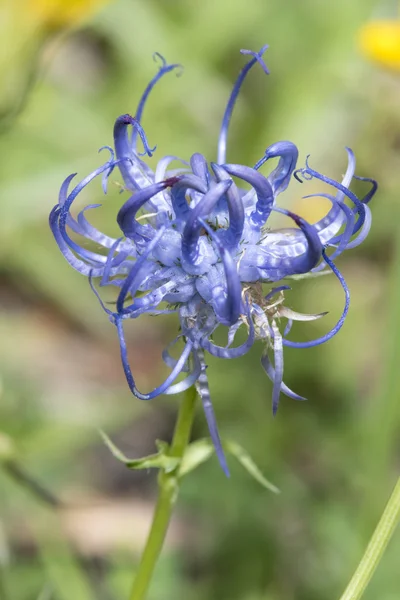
x=379, y=41
x=195, y=242
x=61, y=13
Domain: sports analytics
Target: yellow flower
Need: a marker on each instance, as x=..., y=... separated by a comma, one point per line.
x=379, y=41
x=62, y=13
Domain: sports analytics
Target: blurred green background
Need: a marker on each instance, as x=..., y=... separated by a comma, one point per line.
x=335, y=458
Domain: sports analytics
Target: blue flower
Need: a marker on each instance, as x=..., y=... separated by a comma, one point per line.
x=194, y=241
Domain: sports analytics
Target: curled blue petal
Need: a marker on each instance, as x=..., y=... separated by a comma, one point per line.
x=339, y=324
x=163, y=70
x=120, y=129
x=224, y=352
x=204, y=393
x=223, y=134
x=343, y=238
x=168, y=359
x=363, y=232
x=343, y=189
x=288, y=155
x=149, y=301
x=112, y=316
x=276, y=290
x=179, y=190
x=227, y=305
x=128, y=372
x=133, y=170
x=191, y=233
x=312, y=255
x=372, y=191
x=199, y=167
x=66, y=204
x=263, y=190
x=126, y=217
x=124, y=355
x=107, y=174
x=77, y=263
x=232, y=332
x=132, y=281
x=163, y=388
x=278, y=375
x=110, y=262
x=80, y=258
x=288, y=327
x=87, y=230
x=233, y=233
x=189, y=380
x=270, y=371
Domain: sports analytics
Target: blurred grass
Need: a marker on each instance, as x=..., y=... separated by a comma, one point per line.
x=336, y=457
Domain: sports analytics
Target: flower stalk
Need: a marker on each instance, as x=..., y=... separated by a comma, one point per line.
x=376, y=547
x=168, y=483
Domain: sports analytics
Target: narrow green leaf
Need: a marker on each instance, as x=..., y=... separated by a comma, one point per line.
x=113, y=448
x=247, y=462
x=196, y=453
x=161, y=460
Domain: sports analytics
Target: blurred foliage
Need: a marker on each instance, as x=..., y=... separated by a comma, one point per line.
x=334, y=458
x=380, y=42
x=61, y=13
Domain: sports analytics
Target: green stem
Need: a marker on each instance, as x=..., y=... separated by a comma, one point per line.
x=383, y=418
x=375, y=548
x=168, y=492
